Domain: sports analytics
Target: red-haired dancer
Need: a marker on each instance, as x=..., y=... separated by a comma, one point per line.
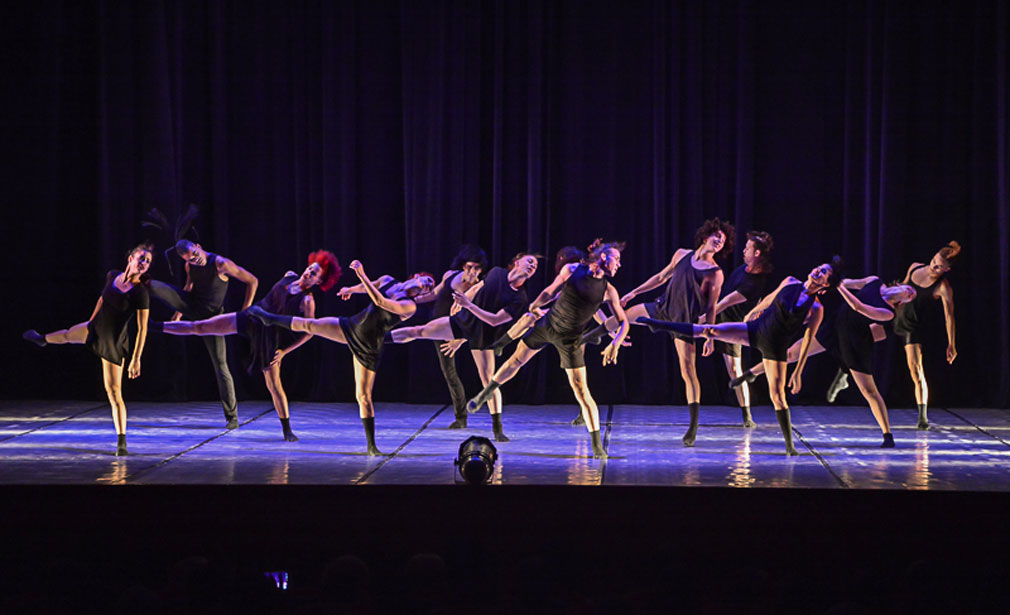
x=106, y=333
x=292, y=294
x=364, y=333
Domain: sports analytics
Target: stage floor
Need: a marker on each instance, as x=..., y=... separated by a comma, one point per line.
x=49, y=442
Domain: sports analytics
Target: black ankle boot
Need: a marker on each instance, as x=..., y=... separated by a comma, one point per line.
x=289, y=435
x=369, y=423
x=474, y=404
x=692, y=429
x=121, y=445
x=34, y=337
x=787, y=430
x=598, y=452
x=748, y=420
x=888, y=440
x=499, y=434
x=747, y=376
x=923, y=419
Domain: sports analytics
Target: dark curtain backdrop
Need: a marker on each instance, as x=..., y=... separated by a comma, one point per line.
x=392, y=132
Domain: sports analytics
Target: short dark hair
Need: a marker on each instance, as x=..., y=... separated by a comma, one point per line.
x=183, y=246
x=566, y=256
x=764, y=244
x=598, y=247
x=470, y=253
x=837, y=266
x=512, y=262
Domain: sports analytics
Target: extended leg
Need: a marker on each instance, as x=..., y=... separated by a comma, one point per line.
x=76, y=334
x=734, y=369
x=175, y=298
x=438, y=329
x=692, y=388
x=505, y=373
x=484, y=359
x=224, y=324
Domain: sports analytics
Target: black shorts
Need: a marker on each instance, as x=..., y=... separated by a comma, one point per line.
x=769, y=342
x=570, y=348
x=730, y=350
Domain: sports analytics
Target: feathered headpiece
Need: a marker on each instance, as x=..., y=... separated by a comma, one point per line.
x=183, y=225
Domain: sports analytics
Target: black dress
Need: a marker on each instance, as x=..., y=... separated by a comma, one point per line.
x=752, y=287
x=775, y=330
x=562, y=327
x=264, y=341
x=108, y=332
x=366, y=331
x=910, y=316
x=496, y=294
x=849, y=338
x=682, y=301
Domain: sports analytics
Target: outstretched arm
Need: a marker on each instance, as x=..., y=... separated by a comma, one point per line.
x=857, y=283
x=947, y=297
x=138, y=346
x=230, y=269
x=662, y=276
x=499, y=318
x=403, y=309
x=766, y=303
x=358, y=289
x=873, y=313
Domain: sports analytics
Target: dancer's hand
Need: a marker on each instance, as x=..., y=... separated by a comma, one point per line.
x=357, y=267
x=951, y=353
x=134, y=370
x=625, y=342
x=345, y=293
x=454, y=308
x=626, y=298
x=449, y=348
x=175, y=317
x=462, y=300
x=708, y=348
x=610, y=354
x=536, y=314
x=278, y=355
x=795, y=382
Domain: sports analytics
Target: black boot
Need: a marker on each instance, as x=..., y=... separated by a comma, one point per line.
x=289, y=435
x=369, y=423
x=595, y=336
x=499, y=435
x=888, y=440
x=121, y=445
x=747, y=376
x=460, y=422
x=598, y=452
x=787, y=430
x=692, y=430
x=34, y=337
x=923, y=419
x=579, y=420
x=748, y=420
x=839, y=384
x=474, y=404
x=268, y=319
x=232, y=423
x=501, y=344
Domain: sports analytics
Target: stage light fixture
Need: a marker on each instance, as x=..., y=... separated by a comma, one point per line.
x=476, y=460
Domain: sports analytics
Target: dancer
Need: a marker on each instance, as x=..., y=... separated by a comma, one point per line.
x=582, y=289
x=739, y=295
x=106, y=334
x=292, y=294
x=207, y=277
x=466, y=269
x=484, y=311
x=770, y=328
x=693, y=284
x=930, y=283
x=364, y=333
x=850, y=335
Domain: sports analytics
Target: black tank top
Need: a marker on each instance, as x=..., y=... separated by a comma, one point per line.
x=870, y=295
x=910, y=315
x=443, y=301
x=789, y=315
x=208, y=288
x=580, y=297
x=374, y=322
x=683, y=300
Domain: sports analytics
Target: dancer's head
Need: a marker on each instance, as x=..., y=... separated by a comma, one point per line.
x=566, y=256
x=138, y=262
x=522, y=267
x=191, y=252
x=718, y=236
x=421, y=283
x=472, y=261
x=757, y=251
x=605, y=256
x=898, y=293
x=322, y=270
x=944, y=259
x=826, y=275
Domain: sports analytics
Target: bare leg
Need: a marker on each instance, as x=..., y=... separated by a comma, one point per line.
x=792, y=355
x=272, y=376
x=328, y=328
x=591, y=413
x=484, y=359
x=76, y=334
x=913, y=355
x=223, y=324
x=869, y=390
x=505, y=373
x=734, y=369
x=364, y=380
x=633, y=313
x=776, y=371
x=692, y=388
x=112, y=378
x=438, y=329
